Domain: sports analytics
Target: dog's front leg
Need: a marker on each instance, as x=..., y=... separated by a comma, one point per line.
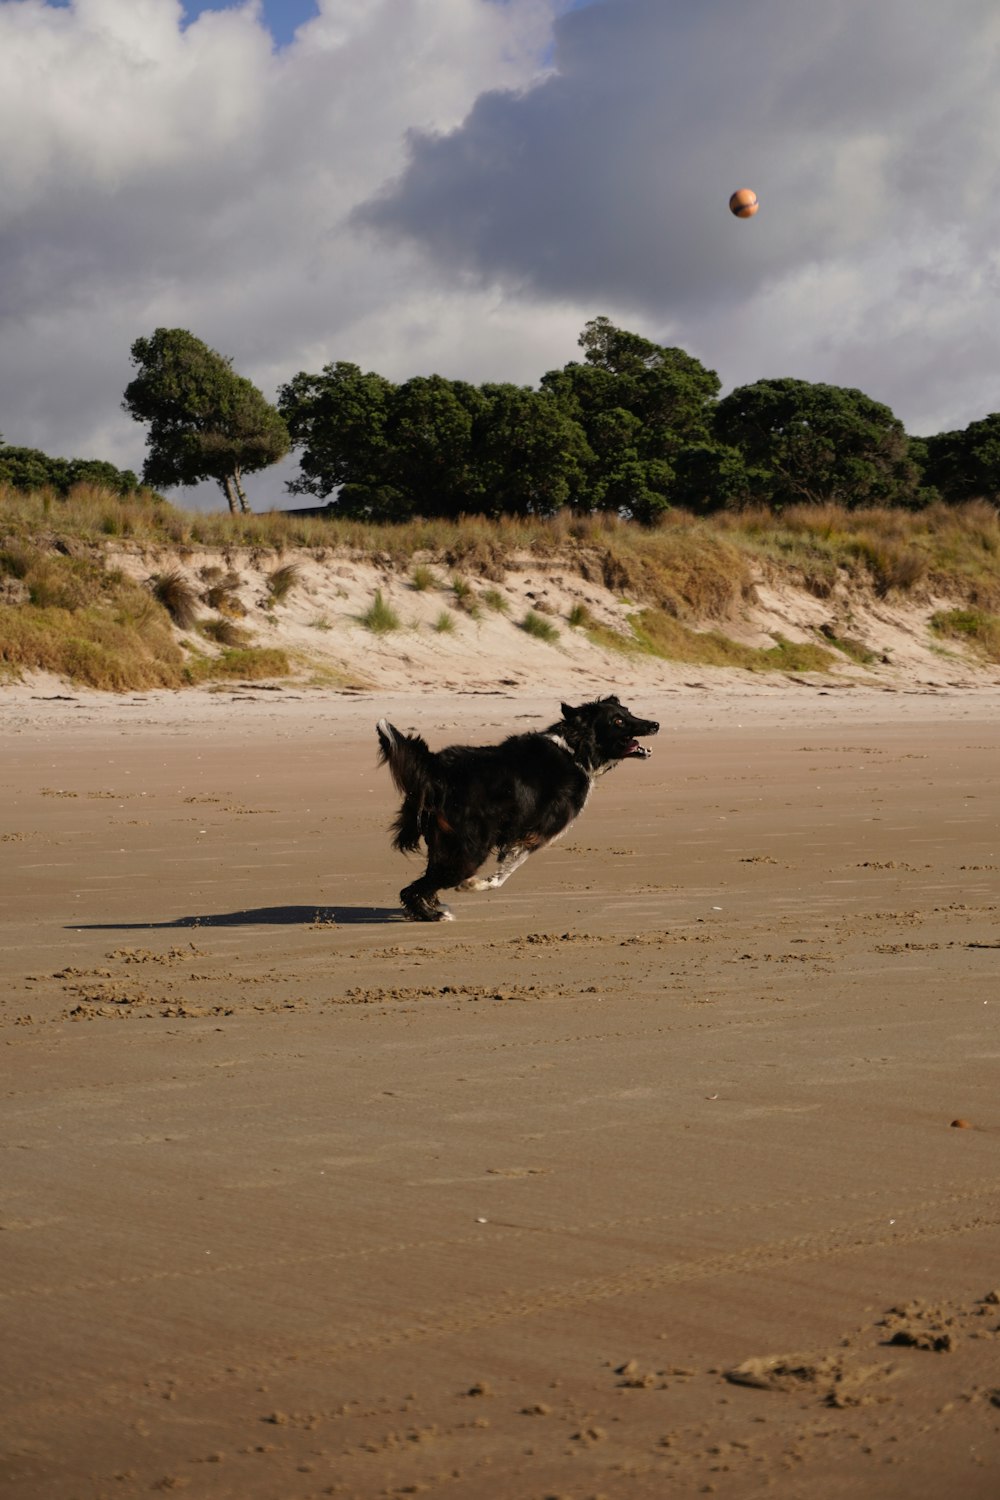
x=512, y=860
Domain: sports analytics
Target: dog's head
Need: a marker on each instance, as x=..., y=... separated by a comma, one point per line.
x=604, y=732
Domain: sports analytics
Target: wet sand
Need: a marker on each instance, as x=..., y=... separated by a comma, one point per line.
x=641, y=1178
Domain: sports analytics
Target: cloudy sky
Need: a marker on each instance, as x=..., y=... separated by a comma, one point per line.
x=459, y=185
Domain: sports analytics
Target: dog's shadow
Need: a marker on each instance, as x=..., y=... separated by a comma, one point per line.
x=260, y=916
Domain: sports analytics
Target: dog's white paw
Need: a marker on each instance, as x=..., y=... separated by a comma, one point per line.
x=475, y=883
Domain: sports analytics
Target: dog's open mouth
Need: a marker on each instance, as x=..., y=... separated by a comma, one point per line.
x=634, y=751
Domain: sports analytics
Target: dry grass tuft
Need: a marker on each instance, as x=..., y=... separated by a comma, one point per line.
x=945, y=549
x=661, y=635
x=281, y=582
x=423, y=578
x=114, y=649
x=380, y=617
x=178, y=597
x=975, y=628
x=86, y=623
x=541, y=628
x=225, y=633
x=464, y=596
x=248, y=663
x=222, y=592
x=684, y=567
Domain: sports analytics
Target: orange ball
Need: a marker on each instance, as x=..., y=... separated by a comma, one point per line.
x=744, y=203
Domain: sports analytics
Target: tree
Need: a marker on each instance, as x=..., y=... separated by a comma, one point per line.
x=98, y=471
x=815, y=443
x=639, y=405
x=206, y=422
x=531, y=458
x=711, y=477
x=31, y=469
x=429, y=433
x=617, y=350
x=389, y=451
x=669, y=392
x=672, y=393
x=338, y=419
x=965, y=465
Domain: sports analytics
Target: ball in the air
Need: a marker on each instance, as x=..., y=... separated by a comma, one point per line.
x=744, y=203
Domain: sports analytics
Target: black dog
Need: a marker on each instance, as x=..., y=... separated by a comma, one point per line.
x=467, y=802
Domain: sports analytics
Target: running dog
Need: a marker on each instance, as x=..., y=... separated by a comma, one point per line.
x=510, y=800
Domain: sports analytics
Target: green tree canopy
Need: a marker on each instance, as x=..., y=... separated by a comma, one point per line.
x=965, y=465
x=429, y=431
x=814, y=443
x=206, y=422
x=531, y=458
x=337, y=420
x=31, y=469
x=639, y=405
x=388, y=451
x=669, y=392
x=618, y=351
x=712, y=476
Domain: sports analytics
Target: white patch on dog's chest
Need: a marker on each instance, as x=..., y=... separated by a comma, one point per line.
x=557, y=739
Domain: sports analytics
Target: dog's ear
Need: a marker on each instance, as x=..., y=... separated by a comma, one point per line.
x=568, y=711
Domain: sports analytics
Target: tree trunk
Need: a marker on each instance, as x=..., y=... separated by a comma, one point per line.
x=244, y=504
x=226, y=485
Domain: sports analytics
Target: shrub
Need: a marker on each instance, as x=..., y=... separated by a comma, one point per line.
x=445, y=622
x=423, y=578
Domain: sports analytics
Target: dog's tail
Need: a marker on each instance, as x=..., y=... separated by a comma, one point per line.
x=411, y=766
x=408, y=757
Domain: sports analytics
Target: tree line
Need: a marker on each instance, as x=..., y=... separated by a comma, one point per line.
x=31, y=469
x=634, y=428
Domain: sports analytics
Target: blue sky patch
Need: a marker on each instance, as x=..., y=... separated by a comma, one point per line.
x=283, y=17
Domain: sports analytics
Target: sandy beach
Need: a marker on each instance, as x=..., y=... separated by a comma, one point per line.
x=668, y=1169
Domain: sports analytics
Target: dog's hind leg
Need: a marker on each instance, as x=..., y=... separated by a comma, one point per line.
x=421, y=904
x=446, y=870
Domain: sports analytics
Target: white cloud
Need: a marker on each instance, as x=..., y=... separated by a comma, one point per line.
x=869, y=132
x=197, y=177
